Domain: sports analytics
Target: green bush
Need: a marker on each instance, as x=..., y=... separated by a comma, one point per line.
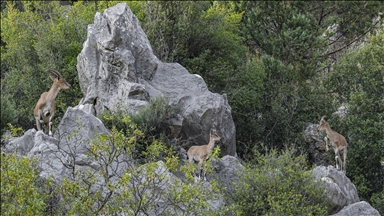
x=20, y=192
x=377, y=201
x=23, y=192
x=150, y=121
x=37, y=36
x=277, y=185
x=357, y=81
x=151, y=118
x=128, y=193
x=8, y=112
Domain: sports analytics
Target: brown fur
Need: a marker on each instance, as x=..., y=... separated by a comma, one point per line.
x=201, y=153
x=337, y=141
x=46, y=105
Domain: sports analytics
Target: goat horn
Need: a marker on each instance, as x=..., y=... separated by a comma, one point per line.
x=322, y=118
x=54, y=72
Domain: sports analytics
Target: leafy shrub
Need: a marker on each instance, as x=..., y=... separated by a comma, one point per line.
x=152, y=117
x=150, y=121
x=8, y=111
x=377, y=201
x=277, y=185
x=357, y=81
x=37, y=36
x=135, y=191
x=20, y=194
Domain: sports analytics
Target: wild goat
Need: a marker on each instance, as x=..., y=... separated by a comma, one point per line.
x=45, y=107
x=201, y=153
x=337, y=141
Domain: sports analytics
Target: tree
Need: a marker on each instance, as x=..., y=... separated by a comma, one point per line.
x=296, y=31
x=8, y=111
x=277, y=184
x=291, y=40
x=36, y=37
x=357, y=81
x=198, y=35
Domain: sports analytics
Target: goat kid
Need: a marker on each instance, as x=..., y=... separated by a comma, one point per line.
x=46, y=105
x=201, y=153
x=337, y=141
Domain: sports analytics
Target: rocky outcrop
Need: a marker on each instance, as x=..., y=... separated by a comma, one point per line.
x=316, y=145
x=21, y=145
x=359, y=209
x=118, y=70
x=339, y=188
x=68, y=148
x=67, y=154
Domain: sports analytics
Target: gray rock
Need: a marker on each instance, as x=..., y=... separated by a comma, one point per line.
x=118, y=71
x=338, y=187
x=68, y=151
x=228, y=169
x=6, y=138
x=341, y=111
x=21, y=145
x=115, y=56
x=77, y=129
x=51, y=161
x=358, y=209
x=316, y=145
x=89, y=108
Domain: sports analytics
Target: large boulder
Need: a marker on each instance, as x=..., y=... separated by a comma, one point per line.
x=67, y=154
x=51, y=161
x=118, y=70
x=316, y=145
x=77, y=129
x=338, y=187
x=58, y=156
x=359, y=209
x=226, y=171
x=21, y=145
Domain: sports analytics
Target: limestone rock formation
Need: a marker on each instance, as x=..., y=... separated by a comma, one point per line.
x=359, y=209
x=118, y=70
x=339, y=188
x=316, y=145
x=21, y=145
x=68, y=151
x=66, y=154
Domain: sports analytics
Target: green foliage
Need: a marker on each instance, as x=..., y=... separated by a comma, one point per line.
x=201, y=36
x=281, y=106
x=149, y=121
x=266, y=56
x=292, y=31
x=15, y=131
x=20, y=194
x=245, y=96
x=151, y=117
x=357, y=80
x=377, y=201
x=8, y=112
x=135, y=190
x=277, y=185
x=41, y=36
x=284, y=30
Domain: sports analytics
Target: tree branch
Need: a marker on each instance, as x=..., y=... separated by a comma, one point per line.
x=351, y=42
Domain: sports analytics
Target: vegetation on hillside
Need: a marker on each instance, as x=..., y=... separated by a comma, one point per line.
x=278, y=62
x=275, y=184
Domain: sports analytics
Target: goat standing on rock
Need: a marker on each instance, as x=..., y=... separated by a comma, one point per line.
x=337, y=141
x=201, y=153
x=45, y=107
